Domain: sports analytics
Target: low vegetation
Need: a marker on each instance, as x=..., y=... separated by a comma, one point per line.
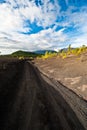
x=48, y=55
x=72, y=51
x=64, y=53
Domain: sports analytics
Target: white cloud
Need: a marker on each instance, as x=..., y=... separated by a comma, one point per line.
x=14, y=13
x=45, y=39
x=79, y=41
x=10, y=20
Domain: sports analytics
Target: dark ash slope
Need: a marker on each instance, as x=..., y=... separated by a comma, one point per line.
x=29, y=102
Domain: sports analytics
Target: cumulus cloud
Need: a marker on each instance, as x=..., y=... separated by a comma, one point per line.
x=15, y=32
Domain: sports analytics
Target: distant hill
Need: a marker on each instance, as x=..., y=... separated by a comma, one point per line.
x=30, y=54
x=44, y=51
x=24, y=54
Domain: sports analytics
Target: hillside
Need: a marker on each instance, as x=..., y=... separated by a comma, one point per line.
x=24, y=54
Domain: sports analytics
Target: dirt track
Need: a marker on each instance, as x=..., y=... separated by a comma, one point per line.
x=31, y=101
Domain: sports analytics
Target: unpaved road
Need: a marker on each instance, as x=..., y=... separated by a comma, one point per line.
x=31, y=101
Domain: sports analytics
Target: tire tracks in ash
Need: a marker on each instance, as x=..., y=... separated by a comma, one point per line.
x=32, y=101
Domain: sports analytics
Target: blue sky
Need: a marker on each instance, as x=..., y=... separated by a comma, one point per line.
x=32, y=25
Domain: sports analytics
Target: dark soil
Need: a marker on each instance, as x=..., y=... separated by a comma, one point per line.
x=31, y=101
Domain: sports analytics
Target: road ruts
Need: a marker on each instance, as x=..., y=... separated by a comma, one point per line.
x=29, y=102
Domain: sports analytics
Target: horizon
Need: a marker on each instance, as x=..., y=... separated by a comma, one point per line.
x=32, y=25
x=43, y=51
